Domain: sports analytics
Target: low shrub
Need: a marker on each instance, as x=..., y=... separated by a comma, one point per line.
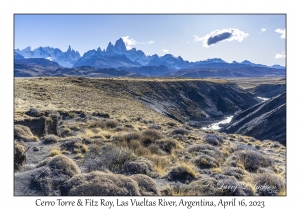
x=213, y=139
x=181, y=131
x=149, y=137
x=206, y=161
x=167, y=144
x=182, y=173
x=111, y=123
x=160, y=163
x=268, y=184
x=251, y=160
x=23, y=133
x=97, y=124
x=51, y=139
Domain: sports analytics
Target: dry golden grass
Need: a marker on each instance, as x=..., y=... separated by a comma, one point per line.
x=54, y=152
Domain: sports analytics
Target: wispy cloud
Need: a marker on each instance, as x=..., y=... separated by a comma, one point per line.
x=229, y=34
x=282, y=55
x=263, y=29
x=282, y=32
x=185, y=42
x=129, y=43
x=162, y=42
x=165, y=50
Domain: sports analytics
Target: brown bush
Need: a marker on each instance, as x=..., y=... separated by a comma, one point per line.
x=182, y=173
x=167, y=144
x=206, y=161
x=149, y=137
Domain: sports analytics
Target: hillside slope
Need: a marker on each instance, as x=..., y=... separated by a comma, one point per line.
x=266, y=120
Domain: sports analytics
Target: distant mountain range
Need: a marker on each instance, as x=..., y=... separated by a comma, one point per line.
x=64, y=59
x=117, y=56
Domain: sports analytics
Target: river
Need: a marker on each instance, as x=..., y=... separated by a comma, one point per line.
x=215, y=126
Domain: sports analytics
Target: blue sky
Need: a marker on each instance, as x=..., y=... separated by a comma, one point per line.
x=258, y=38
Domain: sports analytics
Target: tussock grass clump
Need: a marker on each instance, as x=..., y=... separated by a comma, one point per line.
x=269, y=184
x=97, y=124
x=149, y=137
x=251, y=160
x=180, y=131
x=213, y=139
x=139, y=166
x=114, y=157
x=24, y=133
x=238, y=173
x=160, y=163
x=147, y=186
x=79, y=156
x=19, y=155
x=54, y=152
x=102, y=184
x=212, y=187
x=111, y=123
x=154, y=126
x=132, y=136
x=142, y=151
x=154, y=149
x=62, y=163
x=178, y=189
x=182, y=173
x=167, y=144
x=206, y=149
x=206, y=161
x=51, y=139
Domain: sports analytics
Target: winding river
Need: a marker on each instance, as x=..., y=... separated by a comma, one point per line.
x=215, y=126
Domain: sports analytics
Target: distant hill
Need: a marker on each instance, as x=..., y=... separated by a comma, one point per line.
x=34, y=67
x=251, y=71
x=150, y=70
x=268, y=90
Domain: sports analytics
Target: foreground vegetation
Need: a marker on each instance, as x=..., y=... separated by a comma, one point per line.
x=99, y=140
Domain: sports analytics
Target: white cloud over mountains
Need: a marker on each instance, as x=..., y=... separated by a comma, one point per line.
x=282, y=55
x=129, y=43
x=229, y=34
x=282, y=32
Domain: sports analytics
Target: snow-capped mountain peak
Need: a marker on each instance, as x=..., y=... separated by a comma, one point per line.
x=65, y=59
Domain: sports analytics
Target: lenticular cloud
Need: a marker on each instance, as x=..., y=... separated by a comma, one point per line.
x=229, y=34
